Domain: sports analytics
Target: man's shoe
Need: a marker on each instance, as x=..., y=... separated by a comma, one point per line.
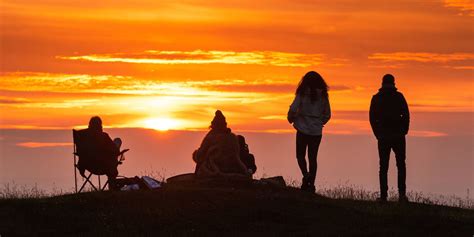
x=403, y=199
x=381, y=199
x=311, y=188
x=304, y=186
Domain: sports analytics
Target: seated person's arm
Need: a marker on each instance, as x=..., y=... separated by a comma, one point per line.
x=202, y=150
x=109, y=145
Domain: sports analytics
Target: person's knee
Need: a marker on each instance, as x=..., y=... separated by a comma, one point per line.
x=383, y=166
x=400, y=157
x=300, y=157
x=401, y=164
x=312, y=162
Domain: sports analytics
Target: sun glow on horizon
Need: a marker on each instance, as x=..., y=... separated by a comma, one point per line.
x=161, y=124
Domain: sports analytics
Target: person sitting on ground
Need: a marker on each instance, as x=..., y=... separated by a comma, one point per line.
x=218, y=154
x=245, y=156
x=100, y=153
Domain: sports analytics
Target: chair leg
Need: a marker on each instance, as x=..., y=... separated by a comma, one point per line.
x=88, y=181
x=75, y=174
x=93, y=186
x=85, y=182
x=105, y=185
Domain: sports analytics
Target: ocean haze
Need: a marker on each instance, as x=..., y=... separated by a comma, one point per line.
x=438, y=161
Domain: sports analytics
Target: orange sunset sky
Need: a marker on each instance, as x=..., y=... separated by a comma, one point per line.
x=171, y=64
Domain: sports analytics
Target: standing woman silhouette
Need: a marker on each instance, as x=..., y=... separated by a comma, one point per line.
x=309, y=112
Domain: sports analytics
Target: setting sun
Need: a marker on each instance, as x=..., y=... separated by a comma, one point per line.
x=161, y=124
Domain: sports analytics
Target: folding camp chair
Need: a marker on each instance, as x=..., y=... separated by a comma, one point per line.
x=78, y=138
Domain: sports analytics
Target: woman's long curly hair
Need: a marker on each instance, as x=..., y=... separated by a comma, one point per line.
x=312, y=81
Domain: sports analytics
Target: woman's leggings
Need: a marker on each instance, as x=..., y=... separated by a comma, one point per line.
x=312, y=142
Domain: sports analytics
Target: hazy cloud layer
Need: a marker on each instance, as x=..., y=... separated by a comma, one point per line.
x=269, y=58
x=423, y=57
x=109, y=84
x=43, y=144
x=7, y=100
x=466, y=6
x=458, y=61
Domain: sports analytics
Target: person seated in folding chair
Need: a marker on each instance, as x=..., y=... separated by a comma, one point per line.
x=97, y=153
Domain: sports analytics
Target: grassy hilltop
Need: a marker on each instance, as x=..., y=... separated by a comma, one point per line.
x=249, y=210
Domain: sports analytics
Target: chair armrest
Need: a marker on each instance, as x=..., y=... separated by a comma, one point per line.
x=121, y=156
x=123, y=151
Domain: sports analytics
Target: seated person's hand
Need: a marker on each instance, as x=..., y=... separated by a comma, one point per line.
x=82, y=172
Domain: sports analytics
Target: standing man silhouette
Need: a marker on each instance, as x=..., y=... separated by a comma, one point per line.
x=390, y=120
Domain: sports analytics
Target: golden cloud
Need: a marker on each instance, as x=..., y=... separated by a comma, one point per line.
x=6, y=100
x=109, y=84
x=266, y=58
x=422, y=57
x=126, y=85
x=461, y=67
x=463, y=5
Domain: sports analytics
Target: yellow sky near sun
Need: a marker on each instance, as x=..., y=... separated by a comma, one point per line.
x=169, y=65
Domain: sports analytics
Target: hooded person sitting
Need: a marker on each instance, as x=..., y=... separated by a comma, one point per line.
x=99, y=152
x=218, y=154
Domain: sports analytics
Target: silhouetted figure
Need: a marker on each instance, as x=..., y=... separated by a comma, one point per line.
x=309, y=112
x=218, y=154
x=390, y=120
x=245, y=156
x=98, y=153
